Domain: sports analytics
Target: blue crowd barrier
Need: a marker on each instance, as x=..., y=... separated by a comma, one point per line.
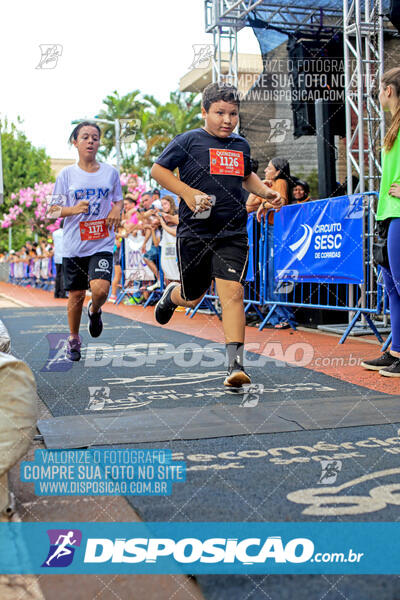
x=38, y=273
x=131, y=278
x=302, y=276
x=360, y=295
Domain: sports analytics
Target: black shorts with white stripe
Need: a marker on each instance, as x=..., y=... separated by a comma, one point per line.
x=202, y=260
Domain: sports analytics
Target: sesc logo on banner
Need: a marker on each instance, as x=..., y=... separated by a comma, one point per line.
x=321, y=241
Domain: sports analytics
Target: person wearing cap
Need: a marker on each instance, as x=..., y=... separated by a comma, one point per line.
x=300, y=192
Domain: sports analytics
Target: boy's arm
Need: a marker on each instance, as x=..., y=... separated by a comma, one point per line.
x=252, y=203
x=196, y=200
x=253, y=184
x=69, y=211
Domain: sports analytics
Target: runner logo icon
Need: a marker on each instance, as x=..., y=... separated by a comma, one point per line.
x=302, y=245
x=62, y=547
x=57, y=360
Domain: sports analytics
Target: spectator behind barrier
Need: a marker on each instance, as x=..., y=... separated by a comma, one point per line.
x=277, y=177
x=117, y=263
x=58, y=234
x=168, y=259
x=147, y=225
x=300, y=192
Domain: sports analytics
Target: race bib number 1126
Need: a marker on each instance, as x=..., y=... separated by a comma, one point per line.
x=226, y=162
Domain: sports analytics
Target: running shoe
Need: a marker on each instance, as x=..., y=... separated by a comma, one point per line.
x=95, y=324
x=393, y=370
x=164, y=308
x=155, y=286
x=376, y=364
x=236, y=376
x=74, y=349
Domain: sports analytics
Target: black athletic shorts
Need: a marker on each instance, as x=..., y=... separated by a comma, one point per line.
x=202, y=260
x=79, y=270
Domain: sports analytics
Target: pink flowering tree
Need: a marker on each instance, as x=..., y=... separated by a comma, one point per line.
x=29, y=208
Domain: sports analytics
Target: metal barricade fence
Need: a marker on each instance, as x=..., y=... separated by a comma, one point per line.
x=40, y=273
x=132, y=275
x=360, y=301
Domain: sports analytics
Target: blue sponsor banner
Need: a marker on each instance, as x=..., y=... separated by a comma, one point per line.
x=213, y=548
x=320, y=241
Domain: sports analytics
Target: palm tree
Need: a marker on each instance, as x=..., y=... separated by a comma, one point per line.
x=159, y=124
x=165, y=121
x=126, y=108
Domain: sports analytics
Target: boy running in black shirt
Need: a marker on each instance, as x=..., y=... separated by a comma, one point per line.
x=214, y=167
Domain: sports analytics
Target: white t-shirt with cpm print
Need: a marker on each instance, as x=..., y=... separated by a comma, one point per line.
x=101, y=188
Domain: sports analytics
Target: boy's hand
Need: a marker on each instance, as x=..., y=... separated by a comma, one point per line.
x=395, y=190
x=275, y=199
x=81, y=207
x=196, y=200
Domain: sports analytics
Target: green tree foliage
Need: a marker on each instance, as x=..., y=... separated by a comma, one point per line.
x=127, y=107
x=158, y=124
x=23, y=164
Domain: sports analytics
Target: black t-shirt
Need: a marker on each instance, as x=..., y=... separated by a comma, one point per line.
x=215, y=166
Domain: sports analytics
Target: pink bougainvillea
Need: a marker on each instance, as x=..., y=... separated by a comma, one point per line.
x=30, y=204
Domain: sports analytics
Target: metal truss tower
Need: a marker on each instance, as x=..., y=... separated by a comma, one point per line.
x=362, y=24
x=224, y=18
x=364, y=59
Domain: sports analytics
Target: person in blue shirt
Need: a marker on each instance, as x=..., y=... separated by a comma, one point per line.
x=214, y=167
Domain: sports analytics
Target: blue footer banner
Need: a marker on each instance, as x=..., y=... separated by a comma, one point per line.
x=194, y=548
x=320, y=241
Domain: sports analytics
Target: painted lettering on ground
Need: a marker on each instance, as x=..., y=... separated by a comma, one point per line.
x=163, y=380
x=330, y=502
x=284, y=455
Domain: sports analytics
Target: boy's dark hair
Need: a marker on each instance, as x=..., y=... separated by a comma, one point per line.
x=75, y=132
x=215, y=92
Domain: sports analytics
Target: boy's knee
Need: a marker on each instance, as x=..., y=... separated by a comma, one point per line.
x=77, y=295
x=100, y=295
x=235, y=294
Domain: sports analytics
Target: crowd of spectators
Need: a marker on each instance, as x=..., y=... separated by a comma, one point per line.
x=151, y=221
x=43, y=248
